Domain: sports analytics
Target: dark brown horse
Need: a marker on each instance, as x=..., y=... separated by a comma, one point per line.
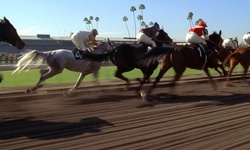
x=126, y=58
x=240, y=55
x=9, y=34
x=182, y=57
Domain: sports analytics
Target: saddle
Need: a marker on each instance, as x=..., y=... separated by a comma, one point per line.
x=200, y=49
x=78, y=54
x=202, y=52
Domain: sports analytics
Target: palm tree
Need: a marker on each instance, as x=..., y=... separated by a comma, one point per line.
x=86, y=21
x=151, y=23
x=142, y=7
x=133, y=9
x=97, y=19
x=125, y=19
x=190, y=18
x=89, y=22
x=140, y=18
x=90, y=19
x=143, y=24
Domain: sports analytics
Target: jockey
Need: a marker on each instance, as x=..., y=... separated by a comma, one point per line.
x=148, y=34
x=195, y=34
x=85, y=40
x=246, y=38
x=198, y=34
x=231, y=43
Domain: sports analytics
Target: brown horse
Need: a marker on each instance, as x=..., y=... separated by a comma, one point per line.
x=182, y=57
x=9, y=34
x=240, y=55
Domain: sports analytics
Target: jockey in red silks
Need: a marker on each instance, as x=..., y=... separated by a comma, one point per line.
x=148, y=34
x=198, y=34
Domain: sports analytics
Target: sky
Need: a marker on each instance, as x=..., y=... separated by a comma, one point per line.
x=61, y=17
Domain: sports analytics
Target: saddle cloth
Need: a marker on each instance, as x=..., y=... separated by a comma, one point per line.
x=199, y=49
x=78, y=54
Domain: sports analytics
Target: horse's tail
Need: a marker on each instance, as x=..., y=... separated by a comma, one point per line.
x=153, y=54
x=227, y=59
x=98, y=57
x=27, y=58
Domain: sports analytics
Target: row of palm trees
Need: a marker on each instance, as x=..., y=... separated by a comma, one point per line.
x=89, y=22
x=139, y=17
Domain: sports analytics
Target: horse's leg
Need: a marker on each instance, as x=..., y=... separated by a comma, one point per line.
x=146, y=76
x=52, y=72
x=245, y=66
x=233, y=63
x=163, y=70
x=43, y=71
x=223, y=69
x=119, y=75
x=210, y=78
x=178, y=73
x=78, y=82
x=217, y=70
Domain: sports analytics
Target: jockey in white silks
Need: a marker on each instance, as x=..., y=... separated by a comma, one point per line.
x=85, y=39
x=147, y=35
x=231, y=43
x=246, y=38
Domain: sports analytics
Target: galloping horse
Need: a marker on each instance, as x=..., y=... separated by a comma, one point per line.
x=125, y=57
x=182, y=57
x=9, y=34
x=228, y=46
x=59, y=59
x=240, y=55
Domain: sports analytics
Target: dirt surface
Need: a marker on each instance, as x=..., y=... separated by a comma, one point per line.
x=106, y=117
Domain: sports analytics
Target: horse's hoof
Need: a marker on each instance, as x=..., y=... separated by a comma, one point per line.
x=28, y=91
x=67, y=93
x=144, y=96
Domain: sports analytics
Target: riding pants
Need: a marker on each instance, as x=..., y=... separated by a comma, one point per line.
x=143, y=38
x=192, y=37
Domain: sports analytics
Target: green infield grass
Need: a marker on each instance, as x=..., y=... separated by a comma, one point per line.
x=30, y=77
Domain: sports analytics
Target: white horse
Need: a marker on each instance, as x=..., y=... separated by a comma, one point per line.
x=246, y=38
x=230, y=43
x=59, y=59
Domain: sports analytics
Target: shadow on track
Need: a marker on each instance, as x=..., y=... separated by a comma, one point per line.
x=45, y=130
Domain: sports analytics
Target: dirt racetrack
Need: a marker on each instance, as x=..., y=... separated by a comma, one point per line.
x=109, y=118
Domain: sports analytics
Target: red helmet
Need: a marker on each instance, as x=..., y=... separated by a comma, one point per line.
x=202, y=23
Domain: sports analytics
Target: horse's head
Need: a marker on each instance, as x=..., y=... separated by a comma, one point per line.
x=9, y=34
x=162, y=37
x=215, y=40
x=105, y=46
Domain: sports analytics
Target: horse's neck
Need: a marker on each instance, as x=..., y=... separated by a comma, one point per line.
x=2, y=29
x=98, y=51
